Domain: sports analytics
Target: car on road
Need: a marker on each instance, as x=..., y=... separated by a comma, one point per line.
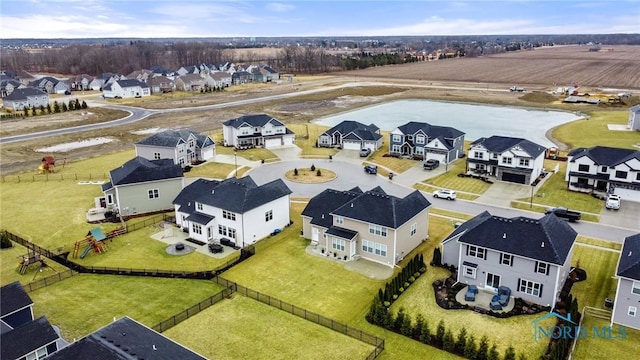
x=516, y=88
x=371, y=169
x=365, y=152
x=564, y=213
x=431, y=164
x=613, y=202
x=445, y=194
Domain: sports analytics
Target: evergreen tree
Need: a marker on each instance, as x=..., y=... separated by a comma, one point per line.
x=461, y=341
x=84, y=104
x=33, y=111
x=448, y=344
x=417, y=328
x=380, y=295
x=406, y=328
x=522, y=357
x=483, y=349
x=64, y=107
x=470, y=350
x=379, y=315
x=25, y=110
x=388, y=320
x=72, y=105
x=48, y=108
x=425, y=334
x=41, y=109
x=78, y=105
x=56, y=107
x=397, y=324
x=510, y=353
x=493, y=353
x=440, y=332
x=437, y=257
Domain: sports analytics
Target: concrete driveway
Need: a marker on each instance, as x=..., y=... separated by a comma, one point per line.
x=627, y=217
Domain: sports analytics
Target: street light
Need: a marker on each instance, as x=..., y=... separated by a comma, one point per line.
x=531, y=201
x=235, y=160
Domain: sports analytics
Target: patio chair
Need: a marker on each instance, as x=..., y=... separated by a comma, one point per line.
x=505, y=294
x=495, y=303
x=472, y=290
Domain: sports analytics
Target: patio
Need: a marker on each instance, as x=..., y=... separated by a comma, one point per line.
x=171, y=235
x=483, y=300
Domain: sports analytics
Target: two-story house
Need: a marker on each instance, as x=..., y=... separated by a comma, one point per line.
x=351, y=135
x=183, y=146
x=125, y=339
x=22, y=336
x=143, y=186
x=256, y=130
x=221, y=78
x=236, y=209
x=425, y=141
x=634, y=118
x=190, y=82
x=371, y=225
x=606, y=169
x=627, y=301
x=126, y=89
x=29, y=97
x=100, y=81
x=161, y=84
x=507, y=159
x=532, y=257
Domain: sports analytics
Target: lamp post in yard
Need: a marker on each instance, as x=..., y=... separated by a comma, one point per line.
x=531, y=201
x=235, y=160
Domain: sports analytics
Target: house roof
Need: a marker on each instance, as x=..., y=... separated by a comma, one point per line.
x=548, y=239
x=432, y=131
x=376, y=207
x=361, y=134
x=159, y=80
x=13, y=298
x=320, y=206
x=27, y=338
x=125, y=339
x=235, y=195
x=22, y=93
x=189, y=78
x=171, y=138
x=341, y=232
x=635, y=109
x=603, y=155
x=498, y=144
x=629, y=264
x=140, y=169
x=270, y=69
x=131, y=83
x=253, y=120
x=348, y=126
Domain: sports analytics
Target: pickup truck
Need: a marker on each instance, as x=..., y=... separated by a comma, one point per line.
x=564, y=213
x=516, y=88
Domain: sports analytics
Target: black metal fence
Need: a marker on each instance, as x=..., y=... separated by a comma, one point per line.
x=56, y=177
x=39, y=284
x=184, y=315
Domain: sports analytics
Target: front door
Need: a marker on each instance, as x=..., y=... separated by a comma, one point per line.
x=314, y=234
x=493, y=281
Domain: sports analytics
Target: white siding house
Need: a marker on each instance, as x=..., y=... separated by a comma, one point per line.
x=256, y=131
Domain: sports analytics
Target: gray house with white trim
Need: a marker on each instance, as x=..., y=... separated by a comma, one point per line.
x=351, y=135
x=29, y=97
x=532, y=257
x=260, y=130
x=425, y=141
x=634, y=118
x=143, y=186
x=627, y=301
x=183, y=146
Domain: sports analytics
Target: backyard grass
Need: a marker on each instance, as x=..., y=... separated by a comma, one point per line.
x=600, y=266
x=213, y=170
x=282, y=335
x=395, y=164
x=9, y=260
x=582, y=133
x=84, y=303
x=306, y=137
x=595, y=348
x=429, y=189
x=597, y=242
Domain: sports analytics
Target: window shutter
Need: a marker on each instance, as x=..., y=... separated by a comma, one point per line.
x=467, y=250
x=535, y=267
x=485, y=254
x=511, y=262
x=548, y=266
x=540, y=295
x=519, y=280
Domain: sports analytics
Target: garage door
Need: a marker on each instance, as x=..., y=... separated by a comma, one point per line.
x=351, y=145
x=514, y=178
x=269, y=143
x=627, y=194
x=435, y=156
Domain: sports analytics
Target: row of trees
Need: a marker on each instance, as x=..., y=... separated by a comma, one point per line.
x=43, y=110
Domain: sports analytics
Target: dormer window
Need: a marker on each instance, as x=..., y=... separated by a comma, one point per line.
x=339, y=220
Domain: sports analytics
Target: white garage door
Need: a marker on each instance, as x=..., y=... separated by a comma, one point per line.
x=434, y=156
x=269, y=143
x=351, y=145
x=370, y=146
x=627, y=194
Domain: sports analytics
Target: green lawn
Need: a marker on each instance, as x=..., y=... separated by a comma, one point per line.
x=255, y=154
x=397, y=165
x=598, y=348
x=10, y=259
x=600, y=266
x=84, y=303
x=213, y=170
x=306, y=137
x=594, y=131
x=429, y=189
x=282, y=335
x=450, y=180
x=597, y=242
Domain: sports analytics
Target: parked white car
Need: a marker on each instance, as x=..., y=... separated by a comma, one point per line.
x=613, y=202
x=445, y=194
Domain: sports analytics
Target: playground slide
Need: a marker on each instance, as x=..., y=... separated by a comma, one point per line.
x=86, y=251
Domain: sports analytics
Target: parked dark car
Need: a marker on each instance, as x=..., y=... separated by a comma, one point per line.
x=365, y=152
x=431, y=164
x=564, y=213
x=371, y=169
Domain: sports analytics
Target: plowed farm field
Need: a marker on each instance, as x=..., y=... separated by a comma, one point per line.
x=611, y=67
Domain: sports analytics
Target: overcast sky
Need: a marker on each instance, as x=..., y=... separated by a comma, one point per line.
x=219, y=18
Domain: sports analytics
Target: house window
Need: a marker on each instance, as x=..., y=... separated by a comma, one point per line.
x=632, y=311
x=339, y=220
x=621, y=174
x=410, y=137
x=530, y=287
x=154, y=193
x=109, y=199
x=506, y=160
x=638, y=176
x=377, y=230
x=181, y=161
x=367, y=246
x=636, y=288
x=222, y=230
x=524, y=162
x=337, y=244
x=156, y=156
x=469, y=271
x=414, y=229
x=542, y=268
x=199, y=206
x=381, y=249
x=475, y=251
x=419, y=139
x=196, y=228
x=397, y=138
x=583, y=167
x=604, y=169
x=37, y=355
x=506, y=259
x=395, y=148
x=228, y=215
x=268, y=215
x=419, y=150
x=232, y=233
x=494, y=156
x=478, y=155
x=191, y=144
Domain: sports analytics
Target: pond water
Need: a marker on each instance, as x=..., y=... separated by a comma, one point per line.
x=475, y=121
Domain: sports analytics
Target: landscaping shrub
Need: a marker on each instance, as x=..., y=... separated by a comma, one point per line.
x=295, y=172
x=470, y=349
x=437, y=257
x=313, y=167
x=461, y=341
x=5, y=243
x=318, y=173
x=447, y=341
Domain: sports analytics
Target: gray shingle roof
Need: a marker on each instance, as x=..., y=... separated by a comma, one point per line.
x=131, y=83
x=21, y=94
x=548, y=239
x=235, y=195
x=125, y=339
x=253, y=120
x=432, y=131
x=140, y=169
x=603, y=155
x=13, y=298
x=348, y=126
x=320, y=206
x=499, y=144
x=171, y=138
x=341, y=232
x=629, y=265
x=27, y=338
